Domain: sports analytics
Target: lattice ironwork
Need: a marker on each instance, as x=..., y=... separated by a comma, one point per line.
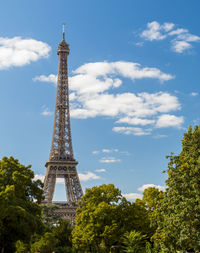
x=61, y=163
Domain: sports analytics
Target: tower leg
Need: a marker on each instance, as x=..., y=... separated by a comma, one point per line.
x=69, y=190
x=49, y=187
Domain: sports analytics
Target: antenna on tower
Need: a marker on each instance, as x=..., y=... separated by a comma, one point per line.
x=64, y=31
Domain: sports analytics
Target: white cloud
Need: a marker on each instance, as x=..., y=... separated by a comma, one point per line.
x=180, y=46
x=100, y=170
x=39, y=177
x=135, y=121
x=95, y=152
x=167, y=120
x=145, y=186
x=125, y=105
x=109, y=160
x=106, y=150
x=153, y=32
x=88, y=176
x=132, y=196
x=188, y=37
x=125, y=153
x=139, y=44
x=109, y=150
x=89, y=73
x=92, y=95
x=46, y=112
x=178, y=31
x=132, y=130
x=49, y=79
x=168, y=26
x=60, y=181
x=159, y=136
x=83, y=177
x=194, y=94
x=19, y=52
x=112, y=150
x=182, y=37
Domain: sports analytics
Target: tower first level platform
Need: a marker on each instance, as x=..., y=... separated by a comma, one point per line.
x=66, y=170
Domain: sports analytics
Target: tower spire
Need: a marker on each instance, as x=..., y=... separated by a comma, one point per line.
x=63, y=31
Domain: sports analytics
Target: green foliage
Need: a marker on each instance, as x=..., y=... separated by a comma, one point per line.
x=62, y=233
x=46, y=244
x=153, y=198
x=103, y=216
x=140, y=218
x=21, y=247
x=58, y=239
x=134, y=242
x=179, y=228
x=49, y=216
x=19, y=198
x=149, y=248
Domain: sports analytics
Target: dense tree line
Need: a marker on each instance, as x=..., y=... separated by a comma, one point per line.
x=161, y=222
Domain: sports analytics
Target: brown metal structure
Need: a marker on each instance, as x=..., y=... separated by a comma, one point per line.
x=61, y=163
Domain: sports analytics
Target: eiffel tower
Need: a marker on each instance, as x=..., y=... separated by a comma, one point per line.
x=61, y=163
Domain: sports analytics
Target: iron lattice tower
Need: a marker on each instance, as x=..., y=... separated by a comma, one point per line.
x=61, y=163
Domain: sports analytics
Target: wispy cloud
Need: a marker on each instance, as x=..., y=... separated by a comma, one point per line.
x=88, y=176
x=145, y=186
x=180, y=46
x=109, y=160
x=105, y=150
x=46, y=111
x=132, y=130
x=95, y=152
x=136, y=121
x=139, y=44
x=194, y=94
x=125, y=152
x=100, y=170
x=82, y=176
x=159, y=136
x=41, y=177
x=15, y=52
x=49, y=79
x=181, y=39
x=110, y=150
x=132, y=196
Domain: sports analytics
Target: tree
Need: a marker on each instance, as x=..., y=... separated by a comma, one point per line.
x=19, y=198
x=179, y=228
x=103, y=216
x=46, y=244
x=152, y=198
x=58, y=239
x=62, y=232
x=21, y=247
x=134, y=242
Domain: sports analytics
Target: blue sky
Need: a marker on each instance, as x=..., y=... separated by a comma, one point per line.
x=134, y=84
